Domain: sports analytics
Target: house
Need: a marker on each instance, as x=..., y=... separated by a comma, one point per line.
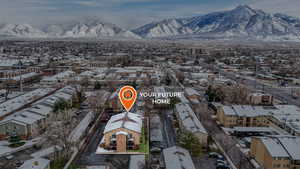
x=177, y=158
x=123, y=132
x=276, y=152
x=188, y=121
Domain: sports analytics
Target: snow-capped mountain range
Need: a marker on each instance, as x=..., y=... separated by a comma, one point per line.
x=91, y=28
x=240, y=22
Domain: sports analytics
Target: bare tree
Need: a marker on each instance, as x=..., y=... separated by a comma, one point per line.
x=59, y=127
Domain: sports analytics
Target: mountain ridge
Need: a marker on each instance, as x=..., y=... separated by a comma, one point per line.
x=240, y=22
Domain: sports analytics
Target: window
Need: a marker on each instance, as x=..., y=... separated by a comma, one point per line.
x=130, y=135
x=276, y=165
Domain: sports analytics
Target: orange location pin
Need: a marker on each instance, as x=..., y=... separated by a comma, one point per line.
x=127, y=96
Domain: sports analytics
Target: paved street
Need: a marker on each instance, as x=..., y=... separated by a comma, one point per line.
x=276, y=92
x=88, y=157
x=168, y=130
x=204, y=162
x=228, y=144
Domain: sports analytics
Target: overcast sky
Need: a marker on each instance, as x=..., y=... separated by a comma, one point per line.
x=127, y=13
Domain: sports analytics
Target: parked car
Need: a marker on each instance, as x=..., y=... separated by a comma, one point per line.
x=222, y=166
x=221, y=162
x=220, y=157
x=213, y=155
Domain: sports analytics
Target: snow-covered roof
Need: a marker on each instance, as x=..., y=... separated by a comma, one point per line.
x=24, y=76
x=127, y=120
x=121, y=133
x=25, y=117
x=245, y=110
x=287, y=114
x=178, y=158
x=40, y=109
x=20, y=101
x=60, y=75
x=283, y=146
x=189, y=119
x=190, y=91
x=81, y=127
x=36, y=163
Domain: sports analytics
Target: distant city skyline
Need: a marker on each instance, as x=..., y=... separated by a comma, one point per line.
x=127, y=13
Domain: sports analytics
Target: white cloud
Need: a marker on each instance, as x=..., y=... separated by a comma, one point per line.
x=290, y=7
x=86, y=3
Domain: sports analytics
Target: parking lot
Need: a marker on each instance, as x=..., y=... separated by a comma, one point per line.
x=204, y=162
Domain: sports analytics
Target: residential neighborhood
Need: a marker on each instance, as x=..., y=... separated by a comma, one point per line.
x=193, y=106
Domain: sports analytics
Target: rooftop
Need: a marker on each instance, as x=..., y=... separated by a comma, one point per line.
x=20, y=101
x=283, y=146
x=189, y=119
x=36, y=163
x=178, y=158
x=127, y=120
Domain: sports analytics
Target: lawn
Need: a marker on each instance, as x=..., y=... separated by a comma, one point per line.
x=144, y=146
x=15, y=145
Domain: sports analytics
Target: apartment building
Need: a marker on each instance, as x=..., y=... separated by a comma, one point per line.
x=188, y=121
x=242, y=115
x=29, y=122
x=123, y=132
x=17, y=103
x=287, y=117
x=276, y=152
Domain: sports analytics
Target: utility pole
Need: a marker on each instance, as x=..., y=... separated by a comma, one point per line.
x=255, y=74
